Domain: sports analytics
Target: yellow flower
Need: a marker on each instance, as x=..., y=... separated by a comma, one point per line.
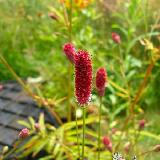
x=77, y=3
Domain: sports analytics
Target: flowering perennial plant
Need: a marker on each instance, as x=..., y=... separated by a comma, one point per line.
x=83, y=77
x=101, y=78
x=69, y=51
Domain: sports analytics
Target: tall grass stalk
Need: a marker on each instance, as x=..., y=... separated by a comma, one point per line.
x=84, y=127
x=78, y=145
x=70, y=65
x=99, y=128
x=26, y=88
x=136, y=99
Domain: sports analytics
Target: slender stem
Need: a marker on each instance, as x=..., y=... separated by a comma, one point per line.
x=70, y=65
x=136, y=99
x=137, y=134
x=99, y=128
x=65, y=14
x=26, y=88
x=142, y=86
x=70, y=21
x=84, y=126
x=5, y=63
x=15, y=146
x=146, y=152
x=69, y=93
x=78, y=146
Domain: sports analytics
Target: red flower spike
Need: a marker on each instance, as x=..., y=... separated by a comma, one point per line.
x=142, y=123
x=69, y=51
x=24, y=133
x=107, y=143
x=101, y=77
x=83, y=77
x=116, y=38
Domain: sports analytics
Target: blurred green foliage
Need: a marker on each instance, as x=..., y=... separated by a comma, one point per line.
x=32, y=44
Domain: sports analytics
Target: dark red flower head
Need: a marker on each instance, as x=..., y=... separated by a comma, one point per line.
x=107, y=143
x=83, y=77
x=116, y=37
x=69, y=50
x=101, y=77
x=142, y=123
x=24, y=133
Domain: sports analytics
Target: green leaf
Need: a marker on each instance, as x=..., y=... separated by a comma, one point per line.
x=134, y=41
x=42, y=124
x=32, y=122
x=23, y=123
x=40, y=145
x=46, y=158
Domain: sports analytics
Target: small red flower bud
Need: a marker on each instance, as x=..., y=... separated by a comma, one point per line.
x=83, y=77
x=37, y=126
x=114, y=130
x=24, y=133
x=101, y=77
x=142, y=124
x=1, y=87
x=107, y=143
x=53, y=16
x=157, y=148
x=127, y=147
x=69, y=50
x=116, y=37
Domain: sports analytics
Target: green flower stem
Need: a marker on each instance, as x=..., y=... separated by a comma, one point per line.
x=69, y=114
x=99, y=128
x=70, y=65
x=78, y=146
x=84, y=126
x=70, y=21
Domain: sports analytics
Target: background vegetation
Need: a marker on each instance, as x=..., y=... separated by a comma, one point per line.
x=31, y=42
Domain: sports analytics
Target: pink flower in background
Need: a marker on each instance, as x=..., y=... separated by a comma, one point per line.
x=114, y=130
x=116, y=37
x=37, y=126
x=107, y=143
x=1, y=87
x=24, y=133
x=101, y=77
x=83, y=77
x=142, y=123
x=69, y=51
x=127, y=147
